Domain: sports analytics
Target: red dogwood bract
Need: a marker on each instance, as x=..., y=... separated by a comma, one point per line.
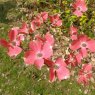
x=55, y=20
x=47, y=38
x=73, y=32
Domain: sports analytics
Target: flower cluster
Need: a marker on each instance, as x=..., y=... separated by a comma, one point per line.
x=40, y=48
x=16, y=35
x=80, y=46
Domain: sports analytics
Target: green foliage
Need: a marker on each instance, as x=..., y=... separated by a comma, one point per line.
x=13, y=10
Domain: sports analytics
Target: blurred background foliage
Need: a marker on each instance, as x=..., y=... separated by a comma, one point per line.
x=15, y=78
x=24, y=10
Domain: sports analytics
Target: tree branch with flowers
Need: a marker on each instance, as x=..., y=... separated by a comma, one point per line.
x=40, y=48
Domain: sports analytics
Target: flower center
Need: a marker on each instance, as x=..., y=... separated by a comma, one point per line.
x=39, y=55
x=78, y=8
x=56, y=66
x=71, y=59
x=14, y=43
x=83, y=44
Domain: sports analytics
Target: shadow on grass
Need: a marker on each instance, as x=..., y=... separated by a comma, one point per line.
x=4, y=8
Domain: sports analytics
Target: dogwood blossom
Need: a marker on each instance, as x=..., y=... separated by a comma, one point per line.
x=13, y=51
x=16, y=36
x=44, y=15
x=38, y=21
x=85, y=74
x=79, y=7
x=73, y=32
x=73, y=59
x=55, y=20
x=57, y=69
x=48, y=37
x=83, y=43
x=38, y=51
x=23, y=29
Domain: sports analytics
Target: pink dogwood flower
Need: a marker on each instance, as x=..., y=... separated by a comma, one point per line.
x=44, y=15
x=37, y=21
x=13, y=45
x=17, y=35
x=83, y=43
x=47, y=38
x=23, y=29
x=4, y=43
x=57, y=69
x=38, y=51
x=73, y=59
x=13, y=34
x=13, y=51
x=55, y=20
x=80, y=7
x=79, y=58
x=85, y=74
x=35, y=24
x=73, y=32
